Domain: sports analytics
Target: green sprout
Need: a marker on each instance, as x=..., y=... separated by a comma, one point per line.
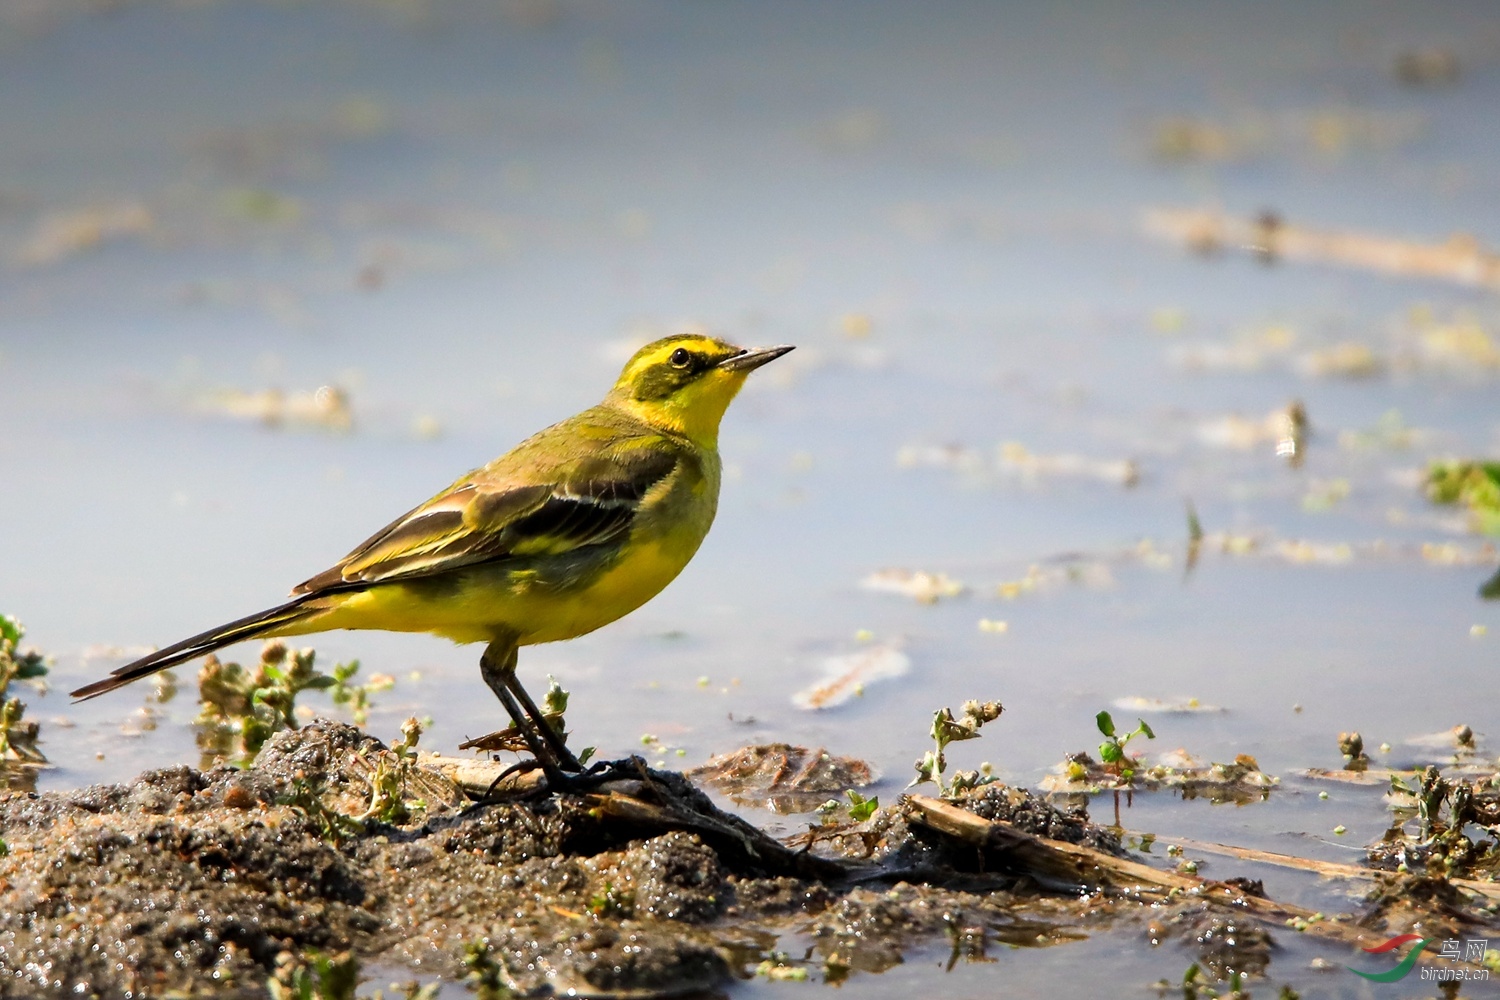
x=485, y=974
x=388, y=781
x=316, y=977
x=554, y=707
x=612, y=902
x=861, y=808
x=1475, y=485
x=511, y=740
x=242, y=709
x=320, y=977
x=306, y=797
x=18, y=736
x=1112, y=753
x=946, y=729
x=780, y=968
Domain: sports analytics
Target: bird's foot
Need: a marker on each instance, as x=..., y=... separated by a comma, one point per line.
x=519, y=767
x=600, y=773
x=559, y=781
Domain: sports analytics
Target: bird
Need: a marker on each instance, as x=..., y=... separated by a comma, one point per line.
x=575, y=527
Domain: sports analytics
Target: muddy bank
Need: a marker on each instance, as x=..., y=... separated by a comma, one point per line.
x=193, y=880
x=334, y=848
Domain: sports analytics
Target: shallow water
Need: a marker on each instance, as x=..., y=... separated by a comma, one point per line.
x=465, y=215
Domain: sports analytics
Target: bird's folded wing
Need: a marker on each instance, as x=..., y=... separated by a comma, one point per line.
x=484, y=518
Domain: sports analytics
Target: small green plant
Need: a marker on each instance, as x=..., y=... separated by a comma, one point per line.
x=306, y=797
x=315, y=977
x=555, y=707
x=1475, y=485
x=1195, y=986
x=388, y=782
x=18, y=736
x=861, y=808
x=945, y=730
x=242, y=709
x=510, y=739
x=858, y=807
x=484, y=972
x=612, y=902
x=1112, y=752
x=780, y=968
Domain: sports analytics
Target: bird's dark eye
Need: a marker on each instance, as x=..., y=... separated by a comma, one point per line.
x=681, y=358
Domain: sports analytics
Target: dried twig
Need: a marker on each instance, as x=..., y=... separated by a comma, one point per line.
x=1085, y=867
x=1328, y=869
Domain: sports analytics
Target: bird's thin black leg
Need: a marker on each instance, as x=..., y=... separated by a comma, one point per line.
x=565, y=757
x=496, y=666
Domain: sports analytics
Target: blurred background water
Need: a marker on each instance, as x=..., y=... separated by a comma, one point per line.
x=274, y=273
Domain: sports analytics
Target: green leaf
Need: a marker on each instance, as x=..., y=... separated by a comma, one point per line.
x=1146, y=729
x=1111, y=752
x=556, y=700
x=1106, y=724
x=11, y=629
x=861, y=808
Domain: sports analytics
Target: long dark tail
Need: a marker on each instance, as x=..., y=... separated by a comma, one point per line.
x=198, y=645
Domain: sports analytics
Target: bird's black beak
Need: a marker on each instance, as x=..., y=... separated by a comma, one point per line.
x=747, y=361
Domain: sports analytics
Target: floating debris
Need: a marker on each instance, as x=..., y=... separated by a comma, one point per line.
x=1314, y=553
x=1461, y=258
x=64, y=234
x=1285, y=429
x=1324, y=132
x=1250, y=351
x=782, y=777
x=1345, y=359
x=1390, y=433
x=1460, y=345
x=1135, y=703
x=919, y=585
x=1014, y=458
x=1427, y=67
x=1241, y=781
x=954, y=457
x=1456, y=745
x=1325, y=494
x=326, y=407
x=846, y=676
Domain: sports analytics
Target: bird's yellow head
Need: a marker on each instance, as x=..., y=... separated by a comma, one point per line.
x=685, y=383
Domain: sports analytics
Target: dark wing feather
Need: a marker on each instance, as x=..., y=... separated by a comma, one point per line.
x=488, y=517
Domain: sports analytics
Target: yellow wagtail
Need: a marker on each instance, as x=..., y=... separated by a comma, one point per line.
x=573, y=528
